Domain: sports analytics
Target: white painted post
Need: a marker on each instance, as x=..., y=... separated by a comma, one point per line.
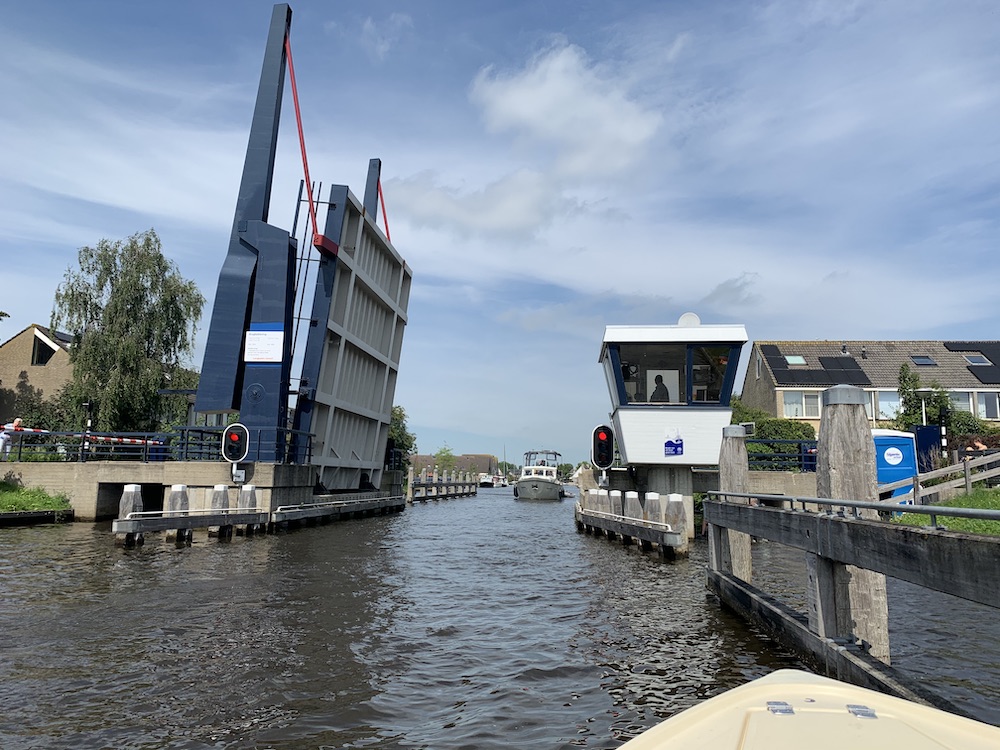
x=615, y=499
x=657, y=507
x=603, y=501
x=177, y=504
x=675, y=516
x=633, y=508
x=130, y=502
x=220, y=502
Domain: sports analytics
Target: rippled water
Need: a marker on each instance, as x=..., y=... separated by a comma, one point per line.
x=481, y=623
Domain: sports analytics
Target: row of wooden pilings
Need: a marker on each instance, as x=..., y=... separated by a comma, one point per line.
x=664, y=523
x=430, y=484
x=247, y=519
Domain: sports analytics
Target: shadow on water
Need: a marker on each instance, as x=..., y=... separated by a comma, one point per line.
x=474, y=623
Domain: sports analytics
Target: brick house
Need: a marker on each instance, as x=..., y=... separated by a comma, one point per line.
x=35, y=358
x=786, y=378
x=475, y=463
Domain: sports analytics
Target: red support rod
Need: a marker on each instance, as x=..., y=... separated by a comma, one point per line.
x=385, y=219
x=319, y=241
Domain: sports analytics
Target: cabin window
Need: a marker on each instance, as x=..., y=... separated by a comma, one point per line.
x=655, y=373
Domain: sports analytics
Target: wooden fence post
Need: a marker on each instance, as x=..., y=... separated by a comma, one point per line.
x=729, y=550
x=844, y=600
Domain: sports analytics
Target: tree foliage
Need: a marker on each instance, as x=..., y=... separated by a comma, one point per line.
x=403, y=439
x=743, y=413
x=445, y=459
x=132, y=318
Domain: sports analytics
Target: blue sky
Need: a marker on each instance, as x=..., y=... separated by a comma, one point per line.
x=810, y=169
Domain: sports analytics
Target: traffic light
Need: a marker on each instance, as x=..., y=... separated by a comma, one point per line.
x=235, y=442
x=602, y=453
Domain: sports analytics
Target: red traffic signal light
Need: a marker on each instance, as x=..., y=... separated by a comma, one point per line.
x=235, y=443
x=602, y=453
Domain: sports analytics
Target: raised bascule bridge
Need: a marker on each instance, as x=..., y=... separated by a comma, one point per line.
x=309, y=443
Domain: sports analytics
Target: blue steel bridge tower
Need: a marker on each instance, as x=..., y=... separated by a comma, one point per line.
x=338, y=416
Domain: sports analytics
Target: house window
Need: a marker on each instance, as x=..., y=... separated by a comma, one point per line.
x=795, y=359
x=988, y=406
x=760, y=359
x=888, y=404
x=41, y=352
x=977, y=359
x=961, y=401
x=801, y=405
x=922, y=360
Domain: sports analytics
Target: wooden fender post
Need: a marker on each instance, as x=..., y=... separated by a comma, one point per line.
x=130, y=502
x=220, y=503
x=728, y=550
x=178, y=502
x=846, y=601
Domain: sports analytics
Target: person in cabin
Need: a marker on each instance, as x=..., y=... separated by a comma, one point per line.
x=660, y=392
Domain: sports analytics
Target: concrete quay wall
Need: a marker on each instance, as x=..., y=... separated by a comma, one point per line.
x=95, y=488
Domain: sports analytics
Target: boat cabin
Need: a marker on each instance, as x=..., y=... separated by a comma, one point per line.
x=670, y=389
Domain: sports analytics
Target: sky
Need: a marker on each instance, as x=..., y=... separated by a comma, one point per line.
x=810, y=169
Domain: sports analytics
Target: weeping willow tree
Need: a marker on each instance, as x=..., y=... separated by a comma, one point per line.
x=133, y=320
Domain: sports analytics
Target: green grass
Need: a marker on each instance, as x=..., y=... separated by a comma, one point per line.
x=15, y=498
x=983, y=499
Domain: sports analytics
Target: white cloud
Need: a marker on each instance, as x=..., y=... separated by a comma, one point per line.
x=580, y=110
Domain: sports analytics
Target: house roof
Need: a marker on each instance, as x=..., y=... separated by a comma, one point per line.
x=876, y=364
x=472, y=462
x=63, y=340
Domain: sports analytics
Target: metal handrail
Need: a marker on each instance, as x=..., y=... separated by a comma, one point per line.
x=928, y=510
x=633, y=521
x=137, y=514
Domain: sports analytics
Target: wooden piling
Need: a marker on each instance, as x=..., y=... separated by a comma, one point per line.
x=220, y=503
x=130, y=502
x=846, y=601
x=729, y=550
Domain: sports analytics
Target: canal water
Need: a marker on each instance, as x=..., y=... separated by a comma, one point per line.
x=482, y=622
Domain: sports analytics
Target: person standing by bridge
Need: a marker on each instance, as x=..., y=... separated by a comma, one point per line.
x=7, y=437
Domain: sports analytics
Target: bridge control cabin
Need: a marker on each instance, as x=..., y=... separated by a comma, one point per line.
x=670, y=389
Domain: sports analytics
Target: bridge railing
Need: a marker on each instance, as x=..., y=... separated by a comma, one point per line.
x=781, y=455
x=183, y=444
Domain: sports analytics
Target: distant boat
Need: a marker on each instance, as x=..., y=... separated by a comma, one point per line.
x=492, y=480
x=790, y=709
x=539, y=478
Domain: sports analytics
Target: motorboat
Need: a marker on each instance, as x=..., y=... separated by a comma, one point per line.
x=790, y=709
x=539, y=479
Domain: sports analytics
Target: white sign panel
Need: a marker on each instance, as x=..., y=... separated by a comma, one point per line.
x=264, y=346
